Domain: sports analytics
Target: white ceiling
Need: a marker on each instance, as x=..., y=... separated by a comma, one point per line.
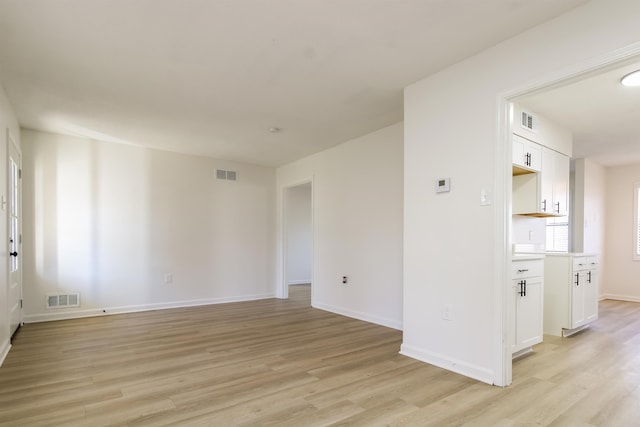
x=210, y=77
x=603, y=115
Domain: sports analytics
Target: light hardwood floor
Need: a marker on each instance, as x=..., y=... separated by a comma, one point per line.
x=280, y=362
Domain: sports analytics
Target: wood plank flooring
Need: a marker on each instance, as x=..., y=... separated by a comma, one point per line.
x=280, y=362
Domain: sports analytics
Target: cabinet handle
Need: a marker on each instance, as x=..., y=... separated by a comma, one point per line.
x=589, y=277
x=527, y=160
x=523, y=288
x=558, y=209
x=544, y=205
x=523, y=271
x=577, y=279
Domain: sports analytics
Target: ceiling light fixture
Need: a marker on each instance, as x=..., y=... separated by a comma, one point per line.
x=631, y=79
x=274, y=129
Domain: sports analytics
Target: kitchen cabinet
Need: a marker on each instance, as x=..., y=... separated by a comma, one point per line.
x=545, y=193
x=571, y=292
x=526, y=154
x=526, y=301
x=554, y=198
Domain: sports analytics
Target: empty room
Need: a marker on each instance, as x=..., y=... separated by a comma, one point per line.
x=315, y=213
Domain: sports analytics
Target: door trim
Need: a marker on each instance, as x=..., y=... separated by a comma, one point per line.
x=11, y=145
x=502, y=185
x=283, y=287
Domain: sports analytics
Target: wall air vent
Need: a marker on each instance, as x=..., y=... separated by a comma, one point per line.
x=529, y=121
x=63, y=300
x=226, y=175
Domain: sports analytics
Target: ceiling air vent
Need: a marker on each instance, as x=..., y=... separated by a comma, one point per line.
x=529, y=121
x=226, y=175
x=63, y=300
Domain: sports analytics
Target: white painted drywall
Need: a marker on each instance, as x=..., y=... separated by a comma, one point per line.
x=110, y=220
x=357, y=219
x=528, y=230
x=589, y=206
x=298, y=234
x=621, y=272
x=450, y=131
x=7, y=121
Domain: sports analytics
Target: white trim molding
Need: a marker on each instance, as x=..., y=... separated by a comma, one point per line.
x=4, y=351
x=619, y=298
x=383, y=321
x=62, y=314
x=457, y=366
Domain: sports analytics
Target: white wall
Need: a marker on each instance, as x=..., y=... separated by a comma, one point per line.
x=357, y=219
x=110, y=220
x=621, y=272
x=298, y=234
x=450, y=255
x=589, y=206
x=7, y=121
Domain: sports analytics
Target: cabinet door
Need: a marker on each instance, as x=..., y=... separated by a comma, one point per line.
x=528, y=313
x=560, y=184
x=526, y=153
x=591, y=295
x=547, y=181
x=578, y=289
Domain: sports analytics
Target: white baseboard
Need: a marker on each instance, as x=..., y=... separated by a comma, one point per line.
x=4, y=350
x=389, y=323
x=299, y=282
x=620, y=297
x=63, y=314
x=457, y=366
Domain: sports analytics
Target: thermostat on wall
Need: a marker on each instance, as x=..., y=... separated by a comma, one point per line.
x=442, y=185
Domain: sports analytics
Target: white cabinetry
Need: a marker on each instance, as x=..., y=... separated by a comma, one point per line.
x=546, y=193
x=527, y=289
x=571, y=292
x=554, y=183
x=526, y=154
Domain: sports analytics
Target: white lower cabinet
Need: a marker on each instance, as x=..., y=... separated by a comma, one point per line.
x=571, y=292
x=527, y=290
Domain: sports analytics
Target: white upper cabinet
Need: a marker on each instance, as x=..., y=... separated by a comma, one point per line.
x=544, y=193
x=540, y=157
x=554, y=185
x=560, y=195
x=526, y=154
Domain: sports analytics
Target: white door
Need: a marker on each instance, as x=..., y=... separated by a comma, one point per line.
x=14, y=209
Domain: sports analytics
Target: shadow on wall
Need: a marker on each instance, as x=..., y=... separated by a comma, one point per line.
x=132, y=228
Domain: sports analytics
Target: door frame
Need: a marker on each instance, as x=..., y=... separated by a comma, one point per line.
x=11, y=145
x=284, y=286
x=502, y=185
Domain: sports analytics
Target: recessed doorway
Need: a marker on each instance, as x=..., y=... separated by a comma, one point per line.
x=298, y=239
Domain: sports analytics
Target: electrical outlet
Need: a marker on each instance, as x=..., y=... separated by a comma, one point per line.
x=168, y=278
x=447, y=312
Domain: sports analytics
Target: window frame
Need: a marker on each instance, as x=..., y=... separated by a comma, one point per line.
x=557, y=222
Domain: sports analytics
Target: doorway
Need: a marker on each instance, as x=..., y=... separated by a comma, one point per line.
x=550, y=99
x=298, y=241
x=14, y=210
